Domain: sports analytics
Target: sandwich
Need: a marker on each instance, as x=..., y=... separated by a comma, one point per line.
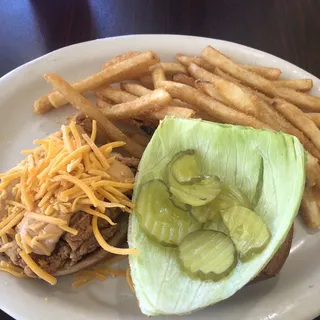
x=65, y=207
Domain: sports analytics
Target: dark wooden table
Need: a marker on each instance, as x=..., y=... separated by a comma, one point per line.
x=289, y=29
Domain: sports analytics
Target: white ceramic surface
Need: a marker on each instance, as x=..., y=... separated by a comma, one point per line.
x=295, y=294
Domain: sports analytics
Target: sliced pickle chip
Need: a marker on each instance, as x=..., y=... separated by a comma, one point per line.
x=230, y=197
x=160, y=219
x=247, y=230
x=184, y=167
x=227, y=198
x=216, y=224
x=207, y=254
x=179, y=204
x=195, y=194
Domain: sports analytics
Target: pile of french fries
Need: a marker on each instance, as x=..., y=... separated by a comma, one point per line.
x=137, y=89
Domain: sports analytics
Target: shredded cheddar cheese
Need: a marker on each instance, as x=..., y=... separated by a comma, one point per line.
x=105, y=245
x=65, y=173
x=15, y=271
x=36, y=269
x=129, y=279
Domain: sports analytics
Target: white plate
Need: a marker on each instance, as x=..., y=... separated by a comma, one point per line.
x=295, y=294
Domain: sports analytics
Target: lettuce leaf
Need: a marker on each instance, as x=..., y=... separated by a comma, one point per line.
x=269, y=167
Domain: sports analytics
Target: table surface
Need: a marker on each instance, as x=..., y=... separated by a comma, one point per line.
x=286, y=28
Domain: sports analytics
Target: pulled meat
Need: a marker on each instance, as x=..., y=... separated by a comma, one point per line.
x=71, y=248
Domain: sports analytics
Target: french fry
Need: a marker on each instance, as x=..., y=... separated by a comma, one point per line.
x=254, y=80
x=183, y=78
x=315, y=117
x=170, y=68
x=151, y=102
x=226, y=76
x=139, y=90
x=42, y=105
x=310, y=147
x=298, y=84
x=238, y=97
x=310, y=207
x=101, y=104
x=213, y=107
x=142, y=139
x=115, y=95
x=267, y=72
x=158, y=75
x=211, y=91
x=172, y=111
x=83, y=104
x=125, y=69
x=135, y=89
x=299, y=119
x=120, y=58
x=312, y=170
x=154, y=115
x=186, y=60
x=147, y=82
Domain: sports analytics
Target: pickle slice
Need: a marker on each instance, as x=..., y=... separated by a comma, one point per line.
x=247, y=230
x=208, y=255
x=159, y=218
x=230, y=197
x=198, y=191
x=227, y=198
x=179, y=204
x=184, y=167
x=216, y=224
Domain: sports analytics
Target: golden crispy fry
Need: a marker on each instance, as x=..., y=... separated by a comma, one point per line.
x=120, y=58
x=158, y=75
x=149, y=103
x=140, y=90
x=313, y=171
x=186, y=60
x=83, y=104
x=310, y=207
x=101, y=104
x=141, y=138
x=115, y=95
x=42, y=105
x=125, y=69
x=172, y=111
x=315, y=117
x=239, y=98
x=227, y=76
x=154, y=115
x=267, y=72
x=211, y=91
x=134, y=88
x=298, y=84
x=147, y=82
x=310, y=147
x=170, y=68
x=214, y=108
x=183, y=78
x=256, y=81
x=299, y=119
